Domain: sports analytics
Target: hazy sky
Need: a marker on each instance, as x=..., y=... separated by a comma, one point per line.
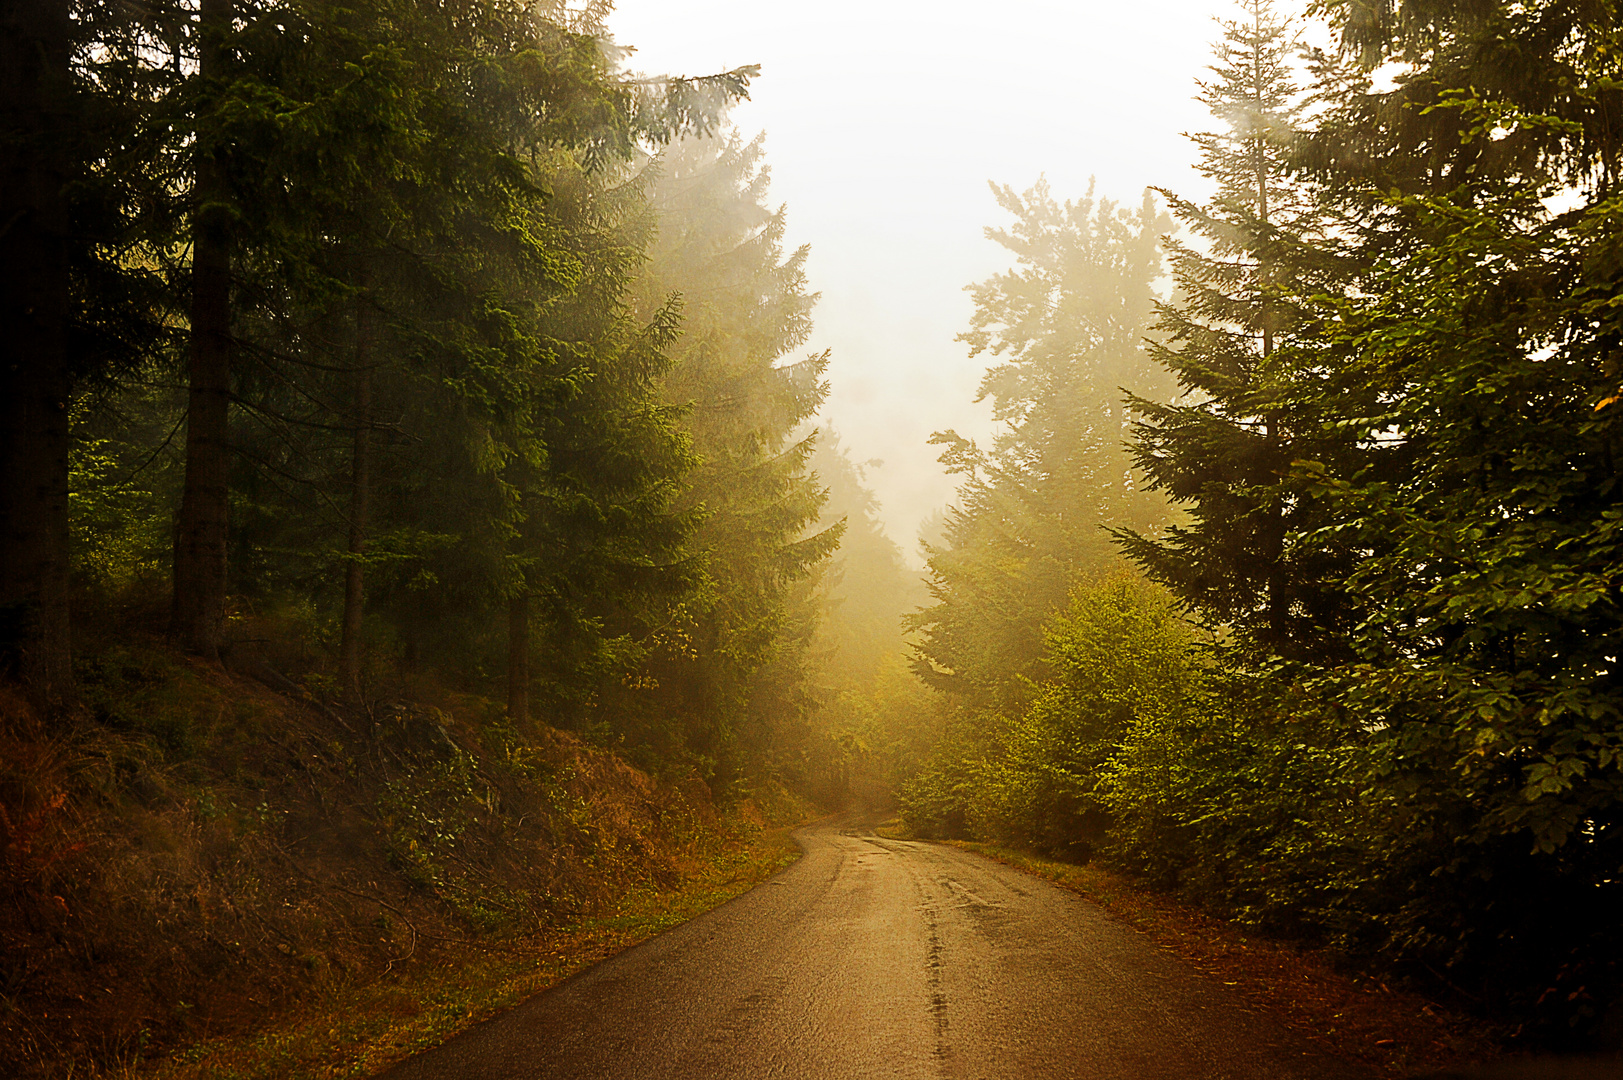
x=884, y=120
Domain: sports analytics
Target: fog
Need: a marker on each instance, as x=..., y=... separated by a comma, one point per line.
x=884, y=122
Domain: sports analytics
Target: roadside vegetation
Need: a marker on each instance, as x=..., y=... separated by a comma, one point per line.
x=230, y=881
x=1335, y=654
x=414, y=582
x=423, y=569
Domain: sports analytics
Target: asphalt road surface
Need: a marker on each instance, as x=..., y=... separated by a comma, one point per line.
x=875, y=958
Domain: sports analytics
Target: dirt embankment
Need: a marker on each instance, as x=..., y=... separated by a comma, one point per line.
x=200, y=852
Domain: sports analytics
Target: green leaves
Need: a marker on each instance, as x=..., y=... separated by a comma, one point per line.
x=1491, y=590
x=1397, y=446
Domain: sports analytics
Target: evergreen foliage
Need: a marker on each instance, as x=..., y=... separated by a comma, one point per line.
x=1391, y=720
x=471, y=390
x=727, y=660
x=1236, y=336
x=1034, y=511
x=413, y=344
x=1067, y=326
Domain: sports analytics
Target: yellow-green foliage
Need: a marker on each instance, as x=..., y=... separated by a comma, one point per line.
x=120, y=532
x=1137, y=744
x=1098, y=742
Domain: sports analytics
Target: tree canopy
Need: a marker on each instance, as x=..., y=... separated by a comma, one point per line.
x=1368, y=694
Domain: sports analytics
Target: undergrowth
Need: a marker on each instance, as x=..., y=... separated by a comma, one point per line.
x=218, y=872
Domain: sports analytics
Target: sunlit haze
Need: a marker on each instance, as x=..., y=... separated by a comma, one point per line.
x=884, y=122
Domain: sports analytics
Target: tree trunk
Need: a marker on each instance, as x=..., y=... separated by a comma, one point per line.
x=518, y=659
x=35, y=374
x=198, y=616
x=349, y=653
x=1274, y=540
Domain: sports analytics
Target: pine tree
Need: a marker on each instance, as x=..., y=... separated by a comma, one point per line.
x=84, y=195
x=320, y=197
x=745, y=310
x=1033, y=509
x=1224, y=449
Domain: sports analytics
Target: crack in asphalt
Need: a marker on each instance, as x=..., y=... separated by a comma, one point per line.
x=876, y=958
x=938, y=995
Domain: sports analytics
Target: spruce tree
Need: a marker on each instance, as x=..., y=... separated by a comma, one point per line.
x=745, y=310
x=1223, y=448
x=1067, y=326
x=84, y=197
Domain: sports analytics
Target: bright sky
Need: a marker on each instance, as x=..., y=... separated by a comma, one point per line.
x=884, y=121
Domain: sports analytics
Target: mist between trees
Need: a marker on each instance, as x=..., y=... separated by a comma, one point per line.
x=418, y=364
x=395, y=332
x=1317, y=618
x=372, y=349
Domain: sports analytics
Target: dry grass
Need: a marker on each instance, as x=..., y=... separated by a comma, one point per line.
x=360, y=1030
x=204, y=876
x=1355, y=1017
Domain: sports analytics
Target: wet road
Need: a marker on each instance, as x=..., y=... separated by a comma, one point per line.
x=877, y=958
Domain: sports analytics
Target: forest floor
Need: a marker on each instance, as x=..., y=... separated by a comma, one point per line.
x=1354, y=1016
x=220, y=871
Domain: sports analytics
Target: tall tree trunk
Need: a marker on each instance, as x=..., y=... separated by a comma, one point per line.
x=360, y=479
x=198, y=615
x=518, y=659
x=1274, y=539
x=35, y=374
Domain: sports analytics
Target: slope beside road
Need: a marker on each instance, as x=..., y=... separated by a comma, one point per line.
x=875, y=958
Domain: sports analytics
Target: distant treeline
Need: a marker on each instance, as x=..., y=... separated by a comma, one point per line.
x=1320, y=620
x=393, y=341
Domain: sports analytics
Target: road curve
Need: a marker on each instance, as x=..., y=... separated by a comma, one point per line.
x=877, y=958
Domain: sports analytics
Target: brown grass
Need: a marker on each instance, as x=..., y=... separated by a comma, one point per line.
x=201, y=873
x=362, y=1029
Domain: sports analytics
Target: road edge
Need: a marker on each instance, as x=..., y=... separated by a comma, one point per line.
x=364, y=1030
x=1353, y=1016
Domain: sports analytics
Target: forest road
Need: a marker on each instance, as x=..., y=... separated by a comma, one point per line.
x=875, y=958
